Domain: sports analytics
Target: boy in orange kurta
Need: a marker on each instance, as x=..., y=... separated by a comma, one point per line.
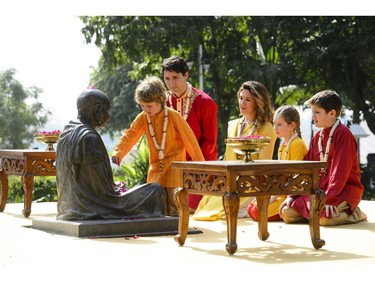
x=169, y=136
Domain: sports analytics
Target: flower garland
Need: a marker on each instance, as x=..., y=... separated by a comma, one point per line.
x=187, y=105
x=159, y=148
x=241, y=129
x=287, y=147
x=324, y=157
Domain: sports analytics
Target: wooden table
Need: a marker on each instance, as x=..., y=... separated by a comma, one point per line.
x=26, y=163
x=261, y=178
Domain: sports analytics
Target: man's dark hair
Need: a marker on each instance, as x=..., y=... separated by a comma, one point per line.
x=176, y=64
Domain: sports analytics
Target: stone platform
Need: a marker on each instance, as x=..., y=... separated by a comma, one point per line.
x=110, y=228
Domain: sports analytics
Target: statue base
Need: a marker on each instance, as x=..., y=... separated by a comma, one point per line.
x=110, y=228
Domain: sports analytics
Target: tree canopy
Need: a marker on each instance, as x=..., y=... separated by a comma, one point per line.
x=335, y=53
x=294, y=57
x=20, y=112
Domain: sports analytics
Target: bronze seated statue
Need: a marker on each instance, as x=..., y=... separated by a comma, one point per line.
x=86, y=188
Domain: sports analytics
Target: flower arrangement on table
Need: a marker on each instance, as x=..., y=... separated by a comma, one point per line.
x=49, y=138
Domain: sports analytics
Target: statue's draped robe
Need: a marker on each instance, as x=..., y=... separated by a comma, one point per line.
x=86, y=189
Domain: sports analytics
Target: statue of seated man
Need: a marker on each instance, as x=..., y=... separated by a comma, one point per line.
x=85, y=184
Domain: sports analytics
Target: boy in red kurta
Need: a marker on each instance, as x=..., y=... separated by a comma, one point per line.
x=196, y=107
x=341, y=181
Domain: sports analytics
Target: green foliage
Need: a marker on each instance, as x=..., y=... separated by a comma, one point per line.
x=120, y=89
x=368, y=181
x=335, y=53
x=20, y=112
x=15, y=190
x=144, y=42
x=44, y=189
x=135, y=172
x=294, y=57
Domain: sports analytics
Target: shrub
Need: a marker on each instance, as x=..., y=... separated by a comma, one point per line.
x=44, y=189
x=368, y=181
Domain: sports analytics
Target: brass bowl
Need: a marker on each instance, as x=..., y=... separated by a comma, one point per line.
x=246, y=145
x=50, y=140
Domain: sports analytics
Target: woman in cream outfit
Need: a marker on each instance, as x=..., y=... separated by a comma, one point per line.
x=257, y=115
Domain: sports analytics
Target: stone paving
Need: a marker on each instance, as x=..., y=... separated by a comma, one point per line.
x=27, y=253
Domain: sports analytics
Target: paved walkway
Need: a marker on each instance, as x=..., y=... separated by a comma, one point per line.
x=31, y=254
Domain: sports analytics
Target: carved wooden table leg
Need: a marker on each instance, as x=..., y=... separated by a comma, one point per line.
x=3, y=190
x=28, y=186
x=231, y=202
x=317, y=202
x=181, y=198
x=262, y=202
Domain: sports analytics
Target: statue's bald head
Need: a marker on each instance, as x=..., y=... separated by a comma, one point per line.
x=90, y=97
x=92, y=104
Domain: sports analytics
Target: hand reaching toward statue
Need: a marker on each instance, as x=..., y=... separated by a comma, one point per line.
x=116, y=160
